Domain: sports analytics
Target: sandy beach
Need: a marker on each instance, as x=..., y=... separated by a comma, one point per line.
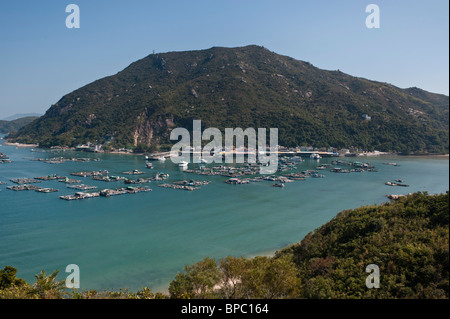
x=20, y=145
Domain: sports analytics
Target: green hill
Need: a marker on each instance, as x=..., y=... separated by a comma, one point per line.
x=244, y=87
x=15, y=125
x=408, y=240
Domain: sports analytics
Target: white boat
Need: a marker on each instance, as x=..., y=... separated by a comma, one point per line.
x=315, y=156
x=183, y=164
x=162, y=159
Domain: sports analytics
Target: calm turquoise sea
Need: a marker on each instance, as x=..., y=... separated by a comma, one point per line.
x=144, y=239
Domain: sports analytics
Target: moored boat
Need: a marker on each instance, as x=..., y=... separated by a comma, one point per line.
x=183, y=164
x=278, y=185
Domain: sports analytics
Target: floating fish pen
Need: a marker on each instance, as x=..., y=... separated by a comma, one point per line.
x=27, y=187
x=284, y=168
x=296, y=176
x=256, y=179
x=247, y=170
x=182, y=187
x=91, y=174
x=60, y=160
x=134, y=172
x=123, y=191
x=47, y=190
x=161, y=176
x=109, y=178
x=237, y=181
x=112, y=192
x=69, y=181
x=362, y=165
x=24, y=187
x=139, y=181
x=80, y=195
x=22, y=181
x=192, y=183
x=82, y=187
x=339, y=170
x=134, y=190
x=274, y=178
x=50, y=177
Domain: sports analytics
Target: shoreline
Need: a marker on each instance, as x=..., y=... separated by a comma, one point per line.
x=364, y=154
x=121, y=153
x=20, y=144
x=361, y=155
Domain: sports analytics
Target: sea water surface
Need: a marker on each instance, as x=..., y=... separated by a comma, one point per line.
x=144, y=239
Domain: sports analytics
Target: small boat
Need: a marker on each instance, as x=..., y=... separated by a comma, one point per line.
x=149, y=165
x=393, y=164
x=183, y=164
x=162, y=159
x=278, y=185
x=315, y=156
x=396, y=184
x=152, y=157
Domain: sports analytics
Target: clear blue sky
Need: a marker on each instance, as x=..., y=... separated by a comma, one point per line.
x=41, y=60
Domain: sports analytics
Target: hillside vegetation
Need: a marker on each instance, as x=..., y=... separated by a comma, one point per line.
x=15, y=125
x=243, y=87
x=408, y=240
